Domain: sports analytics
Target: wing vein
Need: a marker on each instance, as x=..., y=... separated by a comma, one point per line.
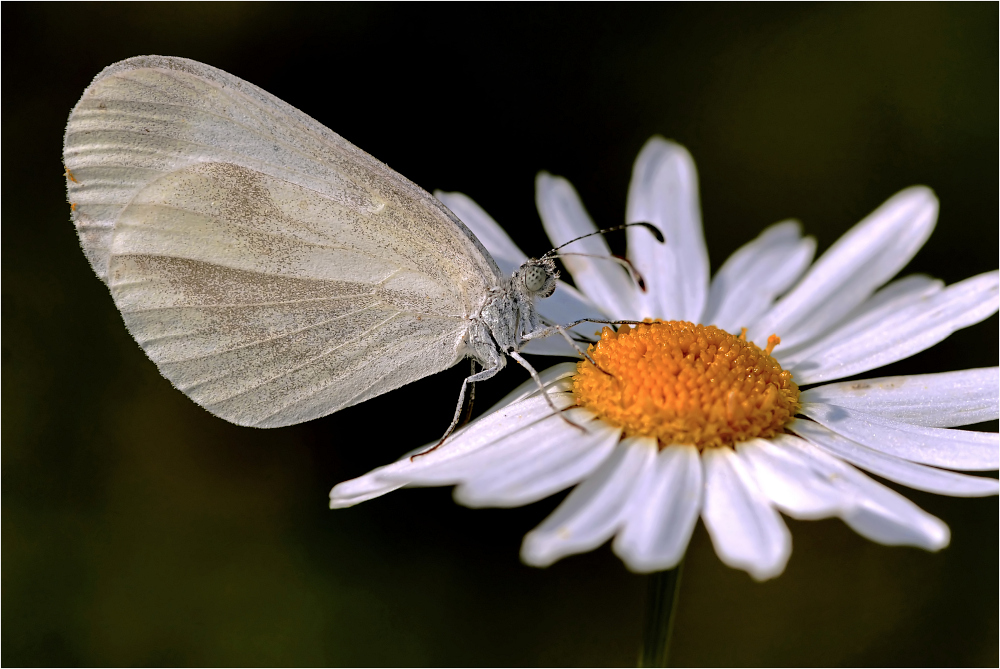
x=256, y=231
x=228, y=119
x=237, y=305
x=296, y=368
x=366, y=363
x=274, y=338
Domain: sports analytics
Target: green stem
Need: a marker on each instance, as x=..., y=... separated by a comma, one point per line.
x=661, y=605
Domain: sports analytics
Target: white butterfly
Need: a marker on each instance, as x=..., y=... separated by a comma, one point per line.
x=274, y=272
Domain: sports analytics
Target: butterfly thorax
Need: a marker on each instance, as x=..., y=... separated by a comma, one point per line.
x=508, y=312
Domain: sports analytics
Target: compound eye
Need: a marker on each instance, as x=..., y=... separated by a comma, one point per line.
x=534, y=278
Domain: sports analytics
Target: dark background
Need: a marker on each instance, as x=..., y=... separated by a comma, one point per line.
x=140, y=530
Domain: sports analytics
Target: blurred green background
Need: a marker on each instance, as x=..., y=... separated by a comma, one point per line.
x=140, y=530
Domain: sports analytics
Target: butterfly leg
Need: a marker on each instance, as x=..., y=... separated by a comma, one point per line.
x=552, y=329
x=469, y=382
x=564, y=331
x=531, y=370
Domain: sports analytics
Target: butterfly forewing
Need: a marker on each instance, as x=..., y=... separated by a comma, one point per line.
x=273, y=272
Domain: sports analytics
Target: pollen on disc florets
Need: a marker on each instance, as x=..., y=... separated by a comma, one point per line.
x=686, y=384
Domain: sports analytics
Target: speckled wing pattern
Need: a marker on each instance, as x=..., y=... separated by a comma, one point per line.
x=274, y=272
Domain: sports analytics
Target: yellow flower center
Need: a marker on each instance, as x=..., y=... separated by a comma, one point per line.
x=686, y=384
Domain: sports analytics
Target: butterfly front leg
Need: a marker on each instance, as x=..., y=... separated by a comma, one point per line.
x=482, y=349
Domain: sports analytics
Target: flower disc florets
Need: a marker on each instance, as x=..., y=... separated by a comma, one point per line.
x=686, y=384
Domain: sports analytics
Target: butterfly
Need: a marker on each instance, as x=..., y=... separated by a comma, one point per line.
x=274, y=272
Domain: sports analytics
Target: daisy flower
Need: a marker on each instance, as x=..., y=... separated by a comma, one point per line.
x=700, y=412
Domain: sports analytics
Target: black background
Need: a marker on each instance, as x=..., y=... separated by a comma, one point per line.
x=140, y=530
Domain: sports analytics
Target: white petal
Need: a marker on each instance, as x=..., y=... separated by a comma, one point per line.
x=933, y=400
x=867, y=256
x=749, y=281
x=911, y=285
x=568, y=304
x=361, y=489
x=878, y=513
x=890, y=519
x=529, y=414
x=486, y=430
x=885, y=303
x=954, y=449
x=508, y=256
x=791, y=482
x=557, y=378
x=519, y=445
x=664, y=192
x=591, y=513
x=565, y=305
x=908, y=330
x=746, y=531
x=601, y=279
x=543, y=466
x=920, y=477
x=662, y=512
x=522, y=408
x=554, y=345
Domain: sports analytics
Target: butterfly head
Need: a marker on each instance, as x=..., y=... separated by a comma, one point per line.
x=536, y=278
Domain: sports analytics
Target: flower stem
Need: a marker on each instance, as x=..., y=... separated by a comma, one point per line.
x=661, y=605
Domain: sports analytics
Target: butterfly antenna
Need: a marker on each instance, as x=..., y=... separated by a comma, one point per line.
x=649, y=226
x=624, y=262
